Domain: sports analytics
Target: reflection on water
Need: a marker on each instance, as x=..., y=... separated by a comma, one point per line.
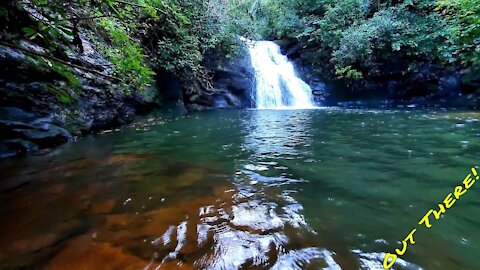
x=318, y=189
x=273, y=134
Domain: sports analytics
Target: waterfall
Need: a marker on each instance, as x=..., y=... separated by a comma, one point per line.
x=277, y=85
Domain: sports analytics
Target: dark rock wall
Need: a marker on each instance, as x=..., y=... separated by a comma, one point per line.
x=233, y=82
x=41, y=109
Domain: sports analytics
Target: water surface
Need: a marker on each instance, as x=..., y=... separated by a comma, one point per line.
x=252, y=189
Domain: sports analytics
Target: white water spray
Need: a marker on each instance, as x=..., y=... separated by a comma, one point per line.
x=277, y=85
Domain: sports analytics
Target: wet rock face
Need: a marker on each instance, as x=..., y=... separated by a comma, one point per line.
x=233, y=81
x=40, y=109
x=22, y=132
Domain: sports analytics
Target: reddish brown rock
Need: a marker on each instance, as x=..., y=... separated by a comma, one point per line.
x=84, y=253
x=122, y=159
x=102, y=207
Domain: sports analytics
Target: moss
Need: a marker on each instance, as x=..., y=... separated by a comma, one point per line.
x=67, y=74
x=61, y=93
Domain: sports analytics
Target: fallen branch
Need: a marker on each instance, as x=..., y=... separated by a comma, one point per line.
x=60, y=61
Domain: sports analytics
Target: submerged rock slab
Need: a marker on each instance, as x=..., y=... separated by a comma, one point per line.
x=85, y=253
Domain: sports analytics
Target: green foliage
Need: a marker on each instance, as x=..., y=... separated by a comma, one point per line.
x=392, y=32
x=358, y=38
x=176, y=34
x=64, y=94
x=355, y=39
x=137, y=36
x=461, y=19
x=175, y=55
x=337, y=18
x=181, y=44
x=51, y=28
x=279, y=18
x=127, y=56
x=259, y=19
x=3, y=12
x=348, y=72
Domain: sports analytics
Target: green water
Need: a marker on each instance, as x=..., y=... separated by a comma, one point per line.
x=297, y=189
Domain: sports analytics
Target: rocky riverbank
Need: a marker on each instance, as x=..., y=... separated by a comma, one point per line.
x=49, y=97
x=66, y=71
x=41, y=109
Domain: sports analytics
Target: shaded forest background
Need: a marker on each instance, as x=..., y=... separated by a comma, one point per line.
x=354, y=39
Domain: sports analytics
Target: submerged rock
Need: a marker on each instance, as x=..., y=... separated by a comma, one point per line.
x=85, y=253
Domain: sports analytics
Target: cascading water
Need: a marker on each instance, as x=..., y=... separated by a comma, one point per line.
x=277, y=85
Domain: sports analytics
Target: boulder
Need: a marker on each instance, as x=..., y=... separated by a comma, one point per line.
x=23, y=132
x=18, y=146
x=17, y=114
x=45, y=135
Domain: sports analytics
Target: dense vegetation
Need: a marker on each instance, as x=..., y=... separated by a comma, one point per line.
x=359, y=37
x=137, y=36
x=354, y=39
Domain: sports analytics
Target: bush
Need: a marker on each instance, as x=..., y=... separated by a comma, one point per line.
x=461, y=20
x=393, y=32
x=127, y=56
x=337, y=18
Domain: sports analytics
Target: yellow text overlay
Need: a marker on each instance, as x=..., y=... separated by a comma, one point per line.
x=447, y=203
